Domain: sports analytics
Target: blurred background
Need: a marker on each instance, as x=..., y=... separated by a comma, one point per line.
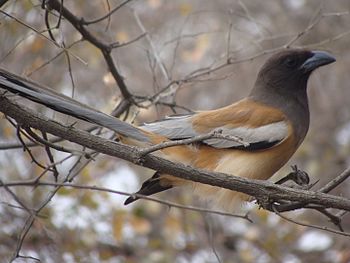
x=175, y=56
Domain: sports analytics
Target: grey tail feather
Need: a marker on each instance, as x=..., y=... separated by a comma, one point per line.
x=149, y=187
x=58, y=102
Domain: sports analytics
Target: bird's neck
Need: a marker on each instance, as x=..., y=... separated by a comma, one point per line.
x=294, y=105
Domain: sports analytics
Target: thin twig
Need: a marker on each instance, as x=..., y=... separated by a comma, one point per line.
x=96, y=188
x=336, y=181
x=105, y=48
x=117, y=44
x=217, y=134
x=153, y=48
x=45, y=63
x=40, y=34
x=16, y=198
x=94, y=21
x=308, y=225
x=50, y=156
x=333, y=218
x=19, y=136
x=316, y=19
x=26, y=227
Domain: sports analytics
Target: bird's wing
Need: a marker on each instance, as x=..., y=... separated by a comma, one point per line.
x=258, y=125
x=174, y=127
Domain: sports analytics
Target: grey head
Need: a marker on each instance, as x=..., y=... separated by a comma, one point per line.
x=282, y=83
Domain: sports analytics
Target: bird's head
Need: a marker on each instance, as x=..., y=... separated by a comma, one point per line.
x=287, y=72
x=282, y=83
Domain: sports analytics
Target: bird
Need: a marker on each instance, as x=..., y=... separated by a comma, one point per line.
x=272, y=121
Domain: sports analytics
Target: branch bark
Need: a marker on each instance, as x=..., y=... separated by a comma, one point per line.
x=262, y=190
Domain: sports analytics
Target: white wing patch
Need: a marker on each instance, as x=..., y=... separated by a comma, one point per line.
x=269, y=133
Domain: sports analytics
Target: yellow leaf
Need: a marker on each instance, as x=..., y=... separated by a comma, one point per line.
x=246, y=255
x=252, y=234
x=154, y=3
x=198, y=51
x=172, y=226
x=118, y=224
x=140, y=225
x=263, y=214
x=85, y=173
x=87, y=200
x=7, y=131
x=185, y=9
x=38, y=61
x=65, y=191
x=122, y=37
x=37, y=45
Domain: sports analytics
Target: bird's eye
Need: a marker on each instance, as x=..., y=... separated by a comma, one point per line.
x=290, y=62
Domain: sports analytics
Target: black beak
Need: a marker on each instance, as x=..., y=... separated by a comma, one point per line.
x=318, y=59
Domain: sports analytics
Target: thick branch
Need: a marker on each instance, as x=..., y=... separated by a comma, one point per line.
x=257, y=188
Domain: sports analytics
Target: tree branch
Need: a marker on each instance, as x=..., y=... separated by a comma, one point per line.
x=261, y=190
x=105, y=48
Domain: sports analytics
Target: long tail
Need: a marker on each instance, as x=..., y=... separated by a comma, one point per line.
x=61, y=103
